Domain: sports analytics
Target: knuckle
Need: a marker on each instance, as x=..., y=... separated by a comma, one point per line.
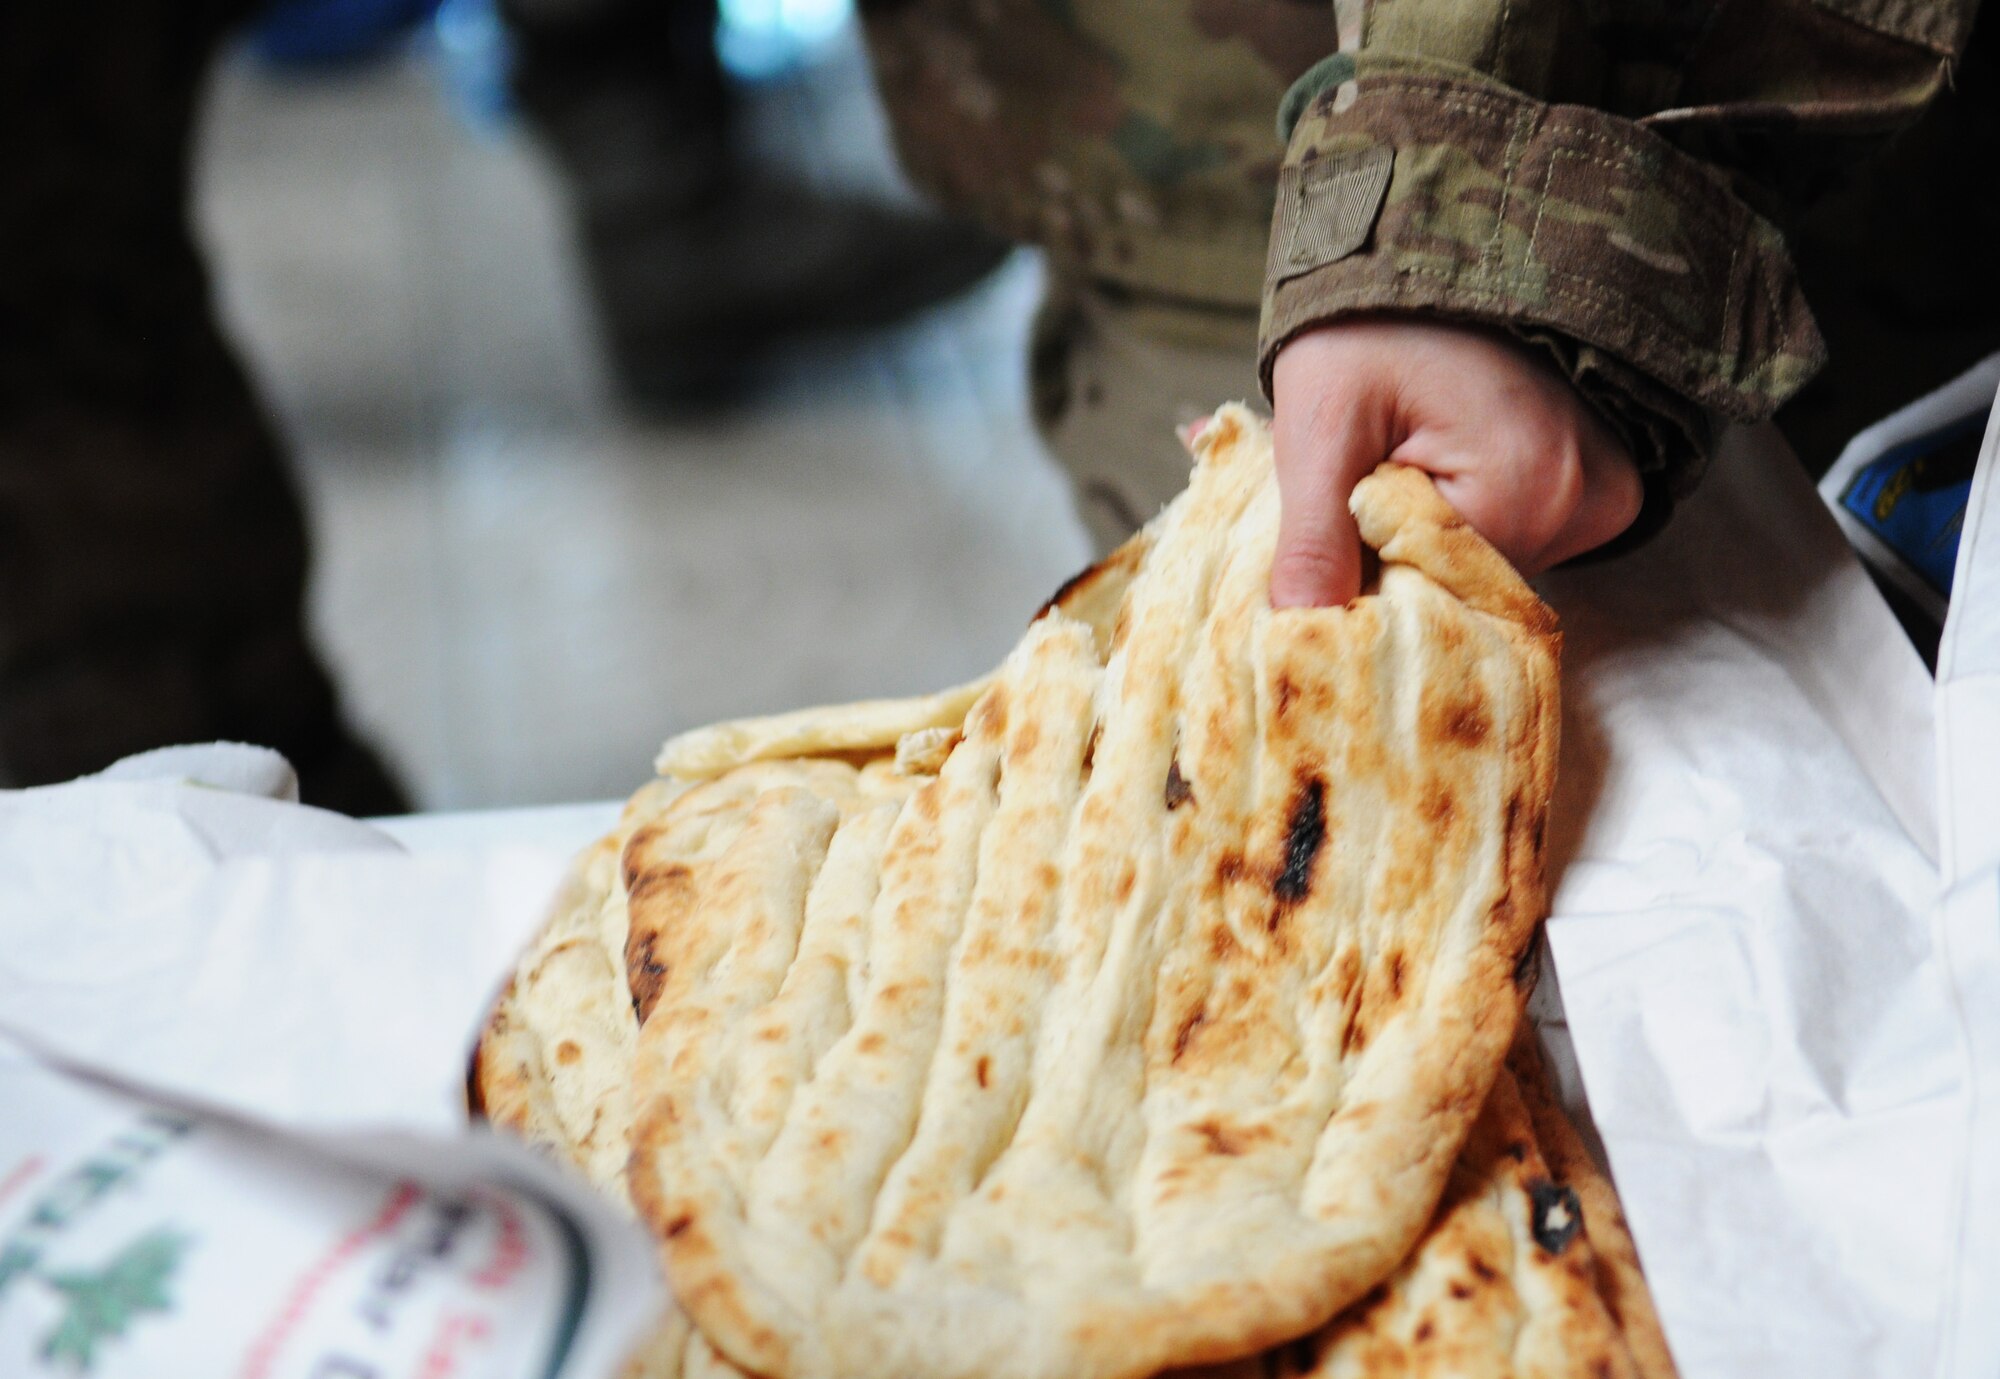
x=1317, y=563
x=1564, y=476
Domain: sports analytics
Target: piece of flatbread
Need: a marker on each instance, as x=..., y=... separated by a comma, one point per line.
x=1510, y=1280
x=1515, y=1278
x=1147, y=1033
x=1620, y=1281
x=848, y=729
x=554, y=1064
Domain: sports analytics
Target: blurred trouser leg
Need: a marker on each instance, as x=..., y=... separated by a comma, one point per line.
x=632, y=94
x=152, y=552
x=700, y=264
x=1113, y=377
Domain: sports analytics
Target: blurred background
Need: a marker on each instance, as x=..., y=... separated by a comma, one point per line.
x=546, y=529
x=461, y=396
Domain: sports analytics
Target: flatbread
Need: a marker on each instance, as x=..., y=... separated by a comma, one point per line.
x=860, y=729
x=1621, y=1283
x=1147, y=1033
x=1510, y=1279
x=1493, y=1290
x=554, y=1064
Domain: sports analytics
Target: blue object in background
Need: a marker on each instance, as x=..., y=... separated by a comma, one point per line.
x=758, y=40
x=466, y=40
x=762, y=39
x=476, y=61
x=331, y=33
x=1914, y=497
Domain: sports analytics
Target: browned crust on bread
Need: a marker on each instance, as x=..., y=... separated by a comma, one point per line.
x=1619, y=1278
x=1329, y=755
x=1271, y=894
x=1095, y=593
x=1404, y=519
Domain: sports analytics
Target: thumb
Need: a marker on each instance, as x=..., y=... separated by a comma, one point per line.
x=1322, y=452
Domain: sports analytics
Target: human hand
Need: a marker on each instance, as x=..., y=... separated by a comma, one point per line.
x=1508, y=441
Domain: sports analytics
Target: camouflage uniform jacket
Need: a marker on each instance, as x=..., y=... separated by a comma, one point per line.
x=1604, y=179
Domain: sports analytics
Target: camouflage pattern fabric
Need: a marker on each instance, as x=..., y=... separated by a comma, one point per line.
x=1602, y=185
x=1131, y=138
x=1610, y=182
x=1112, y=378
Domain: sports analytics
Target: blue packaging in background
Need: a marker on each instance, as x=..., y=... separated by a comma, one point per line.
x=1900, y=489
x=1914, y=497
x=333, y=33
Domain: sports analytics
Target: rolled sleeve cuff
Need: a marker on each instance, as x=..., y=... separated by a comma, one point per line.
x=1436, y=191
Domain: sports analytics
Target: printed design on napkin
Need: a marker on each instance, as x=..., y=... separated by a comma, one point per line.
x=101, y=1304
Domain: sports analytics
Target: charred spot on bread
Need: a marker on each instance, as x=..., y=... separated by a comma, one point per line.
x=1196, y=1018
x=1217, y=1139
x=643, y=885
x=1558, y=1216
x=1304, y=836
x=646, y=974
x=1284, y=694
x=1074, y=584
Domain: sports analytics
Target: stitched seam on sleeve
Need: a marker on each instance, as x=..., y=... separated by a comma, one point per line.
x=1457, y=100
x=1580, y=291
x=1542, y=206
x=1488, y=283
x=1517, y=143
x=1590, y=302
x=1732, y=326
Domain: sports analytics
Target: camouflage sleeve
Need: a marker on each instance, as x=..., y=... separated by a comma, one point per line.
x=1495, y=168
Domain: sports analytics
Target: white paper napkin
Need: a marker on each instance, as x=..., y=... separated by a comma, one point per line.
x=253, y=1021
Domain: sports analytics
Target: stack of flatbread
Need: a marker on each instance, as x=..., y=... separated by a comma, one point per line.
x=1152, y=1004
